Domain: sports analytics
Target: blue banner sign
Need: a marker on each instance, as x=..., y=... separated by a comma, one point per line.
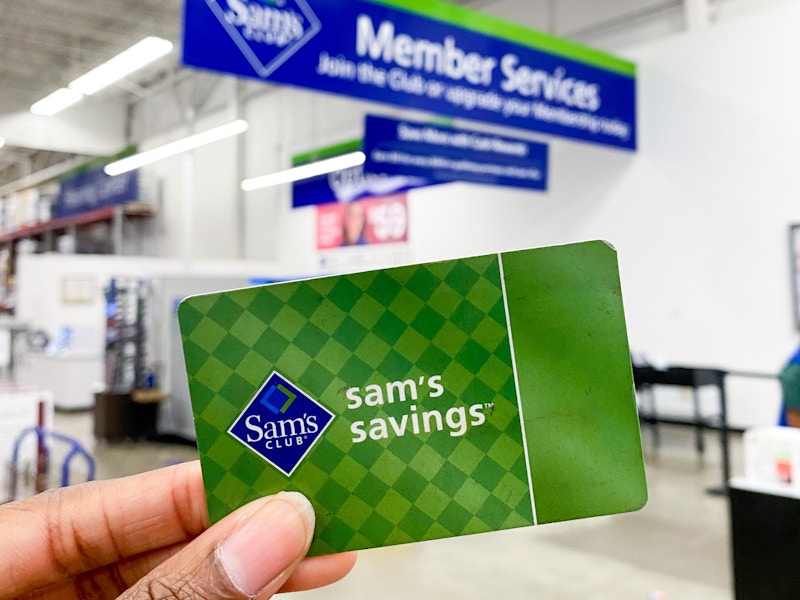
x=94, y=189
x=424, y=54
x=445, y=154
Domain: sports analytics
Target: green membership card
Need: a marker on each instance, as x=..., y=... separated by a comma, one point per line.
x=424, y=401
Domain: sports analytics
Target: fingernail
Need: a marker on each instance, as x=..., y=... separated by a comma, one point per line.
x=267, y=541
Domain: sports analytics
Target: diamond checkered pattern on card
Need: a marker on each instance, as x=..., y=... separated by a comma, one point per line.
x=334, y=333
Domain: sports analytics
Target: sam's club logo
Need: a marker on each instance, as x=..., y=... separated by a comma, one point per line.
x=267, y=32
x=281, y=423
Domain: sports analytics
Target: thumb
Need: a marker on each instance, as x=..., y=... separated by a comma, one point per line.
x=248, y=554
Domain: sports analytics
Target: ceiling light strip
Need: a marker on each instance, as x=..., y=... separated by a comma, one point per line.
x=123, y=64
x=321, y=167
x=56, y=102
x=183, y=145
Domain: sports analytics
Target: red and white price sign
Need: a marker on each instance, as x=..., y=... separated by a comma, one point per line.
x=378, y=220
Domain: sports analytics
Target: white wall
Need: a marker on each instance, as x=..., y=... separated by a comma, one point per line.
x=699, y=214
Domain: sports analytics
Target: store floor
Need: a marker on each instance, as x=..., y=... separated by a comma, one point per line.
x=677, y=547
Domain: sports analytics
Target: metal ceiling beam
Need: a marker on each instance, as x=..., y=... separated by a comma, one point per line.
x=42, y=176
x=623, y=21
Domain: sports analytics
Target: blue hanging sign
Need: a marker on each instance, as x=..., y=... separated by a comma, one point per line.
x=423, y=54
x=94, y=189
x=446, y=154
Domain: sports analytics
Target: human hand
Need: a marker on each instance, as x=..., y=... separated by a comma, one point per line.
x=148, y=536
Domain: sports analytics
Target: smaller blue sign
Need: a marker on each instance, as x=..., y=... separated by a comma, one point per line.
x=281, y=423
x=94, y=189
x=447, y=154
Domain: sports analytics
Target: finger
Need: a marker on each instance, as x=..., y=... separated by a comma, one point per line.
x=105, y=582
x=319, y=571
x=63, y=533
x=248, y=554
x=111, y=581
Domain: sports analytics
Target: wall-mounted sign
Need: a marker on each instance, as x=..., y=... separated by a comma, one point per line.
x=382, y=220
x=425, y=54
x=348, y=184
x=94, y=189
x=447, y=154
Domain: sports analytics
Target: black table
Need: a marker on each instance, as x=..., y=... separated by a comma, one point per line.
x=695, y=378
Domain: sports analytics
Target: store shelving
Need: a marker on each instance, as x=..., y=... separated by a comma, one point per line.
x=46, y=234
x=132, y=209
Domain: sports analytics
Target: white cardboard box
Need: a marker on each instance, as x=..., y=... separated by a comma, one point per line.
x=772, y=457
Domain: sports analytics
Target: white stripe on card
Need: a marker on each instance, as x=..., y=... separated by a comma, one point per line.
x=516, y=386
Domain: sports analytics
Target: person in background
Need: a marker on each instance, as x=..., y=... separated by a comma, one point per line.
x=148, y=536
x=789, y=378
x=354, y=225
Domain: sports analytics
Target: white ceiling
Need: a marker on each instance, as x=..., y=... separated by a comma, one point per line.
x=44, y=44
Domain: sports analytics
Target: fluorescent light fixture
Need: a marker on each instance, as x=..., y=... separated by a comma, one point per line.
x=183, y=145
x=321, y=167
x=123, y=64
x=56, y=102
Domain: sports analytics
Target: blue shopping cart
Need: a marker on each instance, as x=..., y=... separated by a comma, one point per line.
x=44, y=440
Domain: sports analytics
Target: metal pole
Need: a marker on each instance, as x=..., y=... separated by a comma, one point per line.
x=241, y=159
x=188, y=192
